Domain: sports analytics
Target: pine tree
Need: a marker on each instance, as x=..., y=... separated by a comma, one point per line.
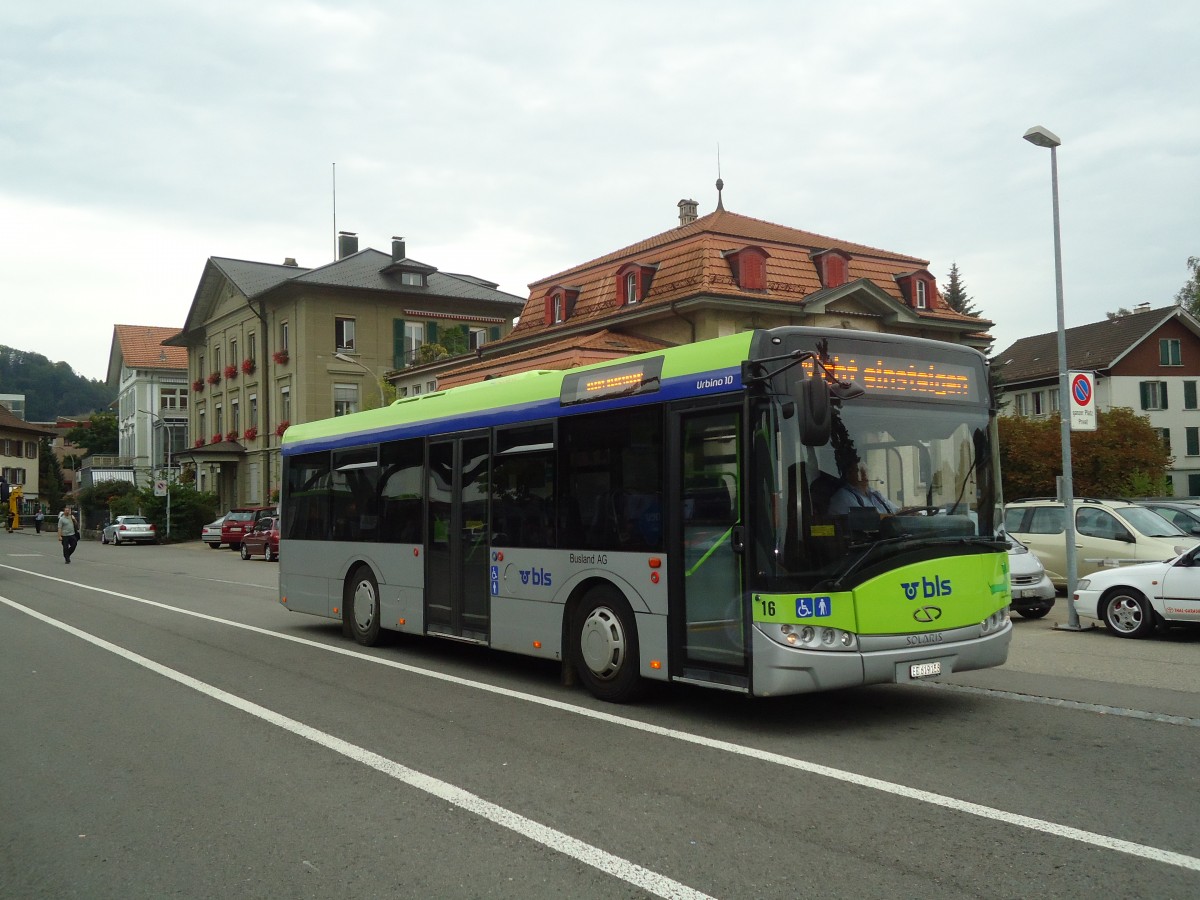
x=956, y=295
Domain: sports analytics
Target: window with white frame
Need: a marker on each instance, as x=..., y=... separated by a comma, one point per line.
x=1020, y=404
x=631, y=291
x=477, y=338
x=414, y=339
x=285, y=405
x=173, y=399
x=1153, y=394
x=252, y=411
x=283, y=336
x=345, y=399
x=343, y=328
x=1036, y=397
x=921, y=302
x=235, y=415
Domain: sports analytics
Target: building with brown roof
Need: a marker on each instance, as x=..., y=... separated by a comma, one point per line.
x=712, y=276
x=19, y=442
x=150, y=378
x=1147, y=360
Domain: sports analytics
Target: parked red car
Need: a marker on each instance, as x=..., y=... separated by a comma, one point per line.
x=240, y=521
x=262, y=540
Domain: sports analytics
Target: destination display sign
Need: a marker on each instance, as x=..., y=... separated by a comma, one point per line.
x=904, y=376
x=621, y=380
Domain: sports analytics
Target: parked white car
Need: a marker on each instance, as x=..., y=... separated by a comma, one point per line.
x=1032, y=591
x=1134, y=600
x=129, y=530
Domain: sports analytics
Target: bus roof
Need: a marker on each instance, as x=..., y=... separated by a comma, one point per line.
x=525, y=396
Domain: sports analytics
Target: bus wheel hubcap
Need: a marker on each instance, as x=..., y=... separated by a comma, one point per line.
x=602, y=643
x=364, y=606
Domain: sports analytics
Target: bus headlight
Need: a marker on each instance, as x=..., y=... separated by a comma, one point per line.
x=810, y=637
x=995, y=621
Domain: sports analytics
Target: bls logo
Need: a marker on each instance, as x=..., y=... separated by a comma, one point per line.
x=934, y=587
x=536, y=577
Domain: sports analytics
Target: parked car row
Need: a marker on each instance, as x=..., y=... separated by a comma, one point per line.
x=258, y=525
x=1138, y=561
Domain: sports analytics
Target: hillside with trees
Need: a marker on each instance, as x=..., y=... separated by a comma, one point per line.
x=51, y=389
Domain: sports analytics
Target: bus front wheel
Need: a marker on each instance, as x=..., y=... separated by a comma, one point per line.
x=360, y=607
x=606, y=646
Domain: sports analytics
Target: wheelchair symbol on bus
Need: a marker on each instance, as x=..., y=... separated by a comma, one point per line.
x=813, y=607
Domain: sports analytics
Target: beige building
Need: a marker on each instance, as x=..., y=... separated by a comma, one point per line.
x=273, y=345
x=19, y=441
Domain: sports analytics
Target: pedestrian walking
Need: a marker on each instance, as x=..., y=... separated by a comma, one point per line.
x=68, y=533
x=38, y=518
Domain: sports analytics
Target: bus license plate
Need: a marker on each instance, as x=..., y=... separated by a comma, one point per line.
x=924, y=670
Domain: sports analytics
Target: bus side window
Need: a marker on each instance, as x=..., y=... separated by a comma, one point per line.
x=401, y=492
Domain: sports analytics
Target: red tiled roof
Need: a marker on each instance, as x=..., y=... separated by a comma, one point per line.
x=690, y=261
x=142, y=347
x=9, y=421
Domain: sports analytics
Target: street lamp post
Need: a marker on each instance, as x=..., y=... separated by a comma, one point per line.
x=1042, y=137
x=354, y=362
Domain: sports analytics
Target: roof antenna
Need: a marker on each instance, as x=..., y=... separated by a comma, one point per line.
x=720, y=183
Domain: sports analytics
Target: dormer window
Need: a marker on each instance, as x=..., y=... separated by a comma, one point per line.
x=413, y=279
x=748, y=267
x=560, y=303
x=833, y=267
x=633, y=283
x=917, y=288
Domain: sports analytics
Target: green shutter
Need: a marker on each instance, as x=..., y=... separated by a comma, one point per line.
x=1193, y=442
x=1144, y=388
x=1189, y=395
x=1162, y=395
x=431, y=333
x=398, y=360
x=494, y=333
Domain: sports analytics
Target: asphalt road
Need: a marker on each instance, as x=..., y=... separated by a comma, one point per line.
x=168, y=729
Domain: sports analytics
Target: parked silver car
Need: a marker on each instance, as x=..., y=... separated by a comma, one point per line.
x=1032, y=591
x=129, y=530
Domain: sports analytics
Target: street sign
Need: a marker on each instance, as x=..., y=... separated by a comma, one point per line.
x=1082, y=402
x=160, y=488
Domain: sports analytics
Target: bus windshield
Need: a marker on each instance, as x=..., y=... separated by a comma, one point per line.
x=898, y=479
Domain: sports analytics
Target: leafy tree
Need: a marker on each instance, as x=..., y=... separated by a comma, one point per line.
x=51, y=389
x=50, y=477
x=450, y=342
x=1118, y=313
x=191, y=509
x=99, y=435
x=1123, y=457
x=956, y=295
x=1189, y=295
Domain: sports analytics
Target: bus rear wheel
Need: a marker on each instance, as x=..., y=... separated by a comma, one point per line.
x=606, y=646
x=360, y=607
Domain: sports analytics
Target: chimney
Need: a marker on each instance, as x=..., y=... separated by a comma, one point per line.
x=1144, y=306
x=290, y=261
x=347, y=244
x=397, y=249
x=687, y=212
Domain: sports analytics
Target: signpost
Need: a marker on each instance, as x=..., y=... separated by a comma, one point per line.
x=1082, y=404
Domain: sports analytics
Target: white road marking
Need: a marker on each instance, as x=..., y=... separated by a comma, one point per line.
x=630, y=872
x=1143, y=851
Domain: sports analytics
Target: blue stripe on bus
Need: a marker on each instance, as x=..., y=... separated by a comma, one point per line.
x=698, y=384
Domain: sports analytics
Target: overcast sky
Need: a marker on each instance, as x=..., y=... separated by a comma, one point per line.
x=513, y=140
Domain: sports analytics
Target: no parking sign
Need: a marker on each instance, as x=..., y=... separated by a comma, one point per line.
x=1083, y=401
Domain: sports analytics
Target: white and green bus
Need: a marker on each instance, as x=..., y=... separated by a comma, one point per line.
x=676, y=516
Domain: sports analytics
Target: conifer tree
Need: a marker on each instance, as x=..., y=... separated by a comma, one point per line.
x=956, y=295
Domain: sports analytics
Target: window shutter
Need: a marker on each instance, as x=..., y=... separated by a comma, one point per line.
x=1144, y=388
x=398, y=360
x=431, y=332
x=1162, y=395
x=549, y=311
x=494, y=333
x=1189, y=395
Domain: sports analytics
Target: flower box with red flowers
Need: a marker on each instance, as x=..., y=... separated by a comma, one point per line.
x=281, y=428
x=198, y=385
x=250, y=433
x=231, y=372
x=217, y=438
x=199, y=442
x=231, y=436
x=248, y=366
x=280, y=356
x=214, y=378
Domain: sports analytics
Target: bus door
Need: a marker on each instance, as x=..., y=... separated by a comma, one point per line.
x=456, y=555
x=709, y=626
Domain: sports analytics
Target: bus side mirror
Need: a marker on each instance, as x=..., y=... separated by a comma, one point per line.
x=811, y=396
